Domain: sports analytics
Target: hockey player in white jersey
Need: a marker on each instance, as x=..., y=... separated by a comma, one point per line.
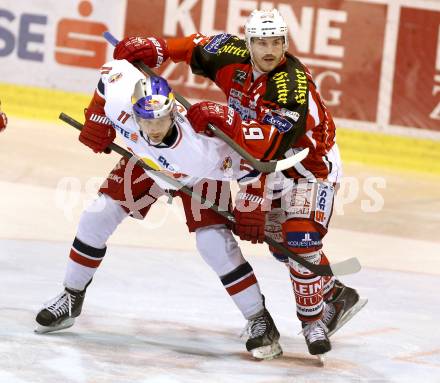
x=145, y=114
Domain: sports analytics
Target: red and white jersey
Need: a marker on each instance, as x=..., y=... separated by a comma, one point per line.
x=185, y=155
x=282, y=110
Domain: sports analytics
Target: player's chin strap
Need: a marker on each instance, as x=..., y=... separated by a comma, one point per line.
x=261, y=166
x=349, y=266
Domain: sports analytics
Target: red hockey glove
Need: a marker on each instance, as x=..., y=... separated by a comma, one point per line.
x=152, y=51
x=98, y=132
x=223, y=117
x=250, y=214
x=3, y=121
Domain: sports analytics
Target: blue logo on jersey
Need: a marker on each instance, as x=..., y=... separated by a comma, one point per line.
x=214, y=45
x=121, y=131
x=280, y=123
x=165, y=163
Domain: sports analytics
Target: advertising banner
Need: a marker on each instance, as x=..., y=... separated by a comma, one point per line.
x=376, y=62
x=416, y=88
x=56, y=44
x=341, y=42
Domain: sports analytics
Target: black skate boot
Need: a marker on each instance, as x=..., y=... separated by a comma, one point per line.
x=316, y=337
x=342, y=307
x=60, y=312
x=263, y=337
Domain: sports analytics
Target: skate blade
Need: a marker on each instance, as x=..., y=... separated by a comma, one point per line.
x=321, y=359
x=45, y=329
x=349, y=314
x=269, y=352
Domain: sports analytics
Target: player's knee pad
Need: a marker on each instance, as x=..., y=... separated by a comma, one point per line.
x=218, y=248
x=99, y=221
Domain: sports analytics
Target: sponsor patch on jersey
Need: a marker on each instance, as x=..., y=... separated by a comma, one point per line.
x=239, y=77
x=226, y=164
x=181, y=109
x=234, y=50
x=324, y=203
x=214, y=45
x=121, y=130
x=282, y=86
x=299, y=201
x=279, y=122
x=236, y=93
x=245, y=113
x=294, y=116
x=179, y=118
x=301, y=87
x=303, y=239
x=166, y=164
x=114, y=77
x=134, y=137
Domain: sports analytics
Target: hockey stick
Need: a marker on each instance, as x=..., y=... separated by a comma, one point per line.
x=349, y=266
x=264, y=167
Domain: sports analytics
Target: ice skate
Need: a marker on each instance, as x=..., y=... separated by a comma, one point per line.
x=60, y=312
x=315, y=334
x=262, y=337
x=342, y=307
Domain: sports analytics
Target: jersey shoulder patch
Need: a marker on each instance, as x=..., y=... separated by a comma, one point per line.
x=216, y=42
x=219, y=52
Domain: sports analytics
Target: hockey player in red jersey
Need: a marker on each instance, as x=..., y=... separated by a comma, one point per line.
x=3, y=119
x=143, y=110
x=276, y=110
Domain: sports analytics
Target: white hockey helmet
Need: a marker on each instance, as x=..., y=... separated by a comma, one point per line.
x=266, y=23
x=152, y=98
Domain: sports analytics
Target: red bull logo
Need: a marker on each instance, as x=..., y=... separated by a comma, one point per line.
x=152, y=104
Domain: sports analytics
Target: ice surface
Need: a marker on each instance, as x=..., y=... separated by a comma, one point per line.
x=163, y=316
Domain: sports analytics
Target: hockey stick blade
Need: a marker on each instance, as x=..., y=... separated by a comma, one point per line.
x=348, y=266
x=261, y=166
x=292, y=160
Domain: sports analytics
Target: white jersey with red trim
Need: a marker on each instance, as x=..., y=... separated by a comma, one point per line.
x=187, y=156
